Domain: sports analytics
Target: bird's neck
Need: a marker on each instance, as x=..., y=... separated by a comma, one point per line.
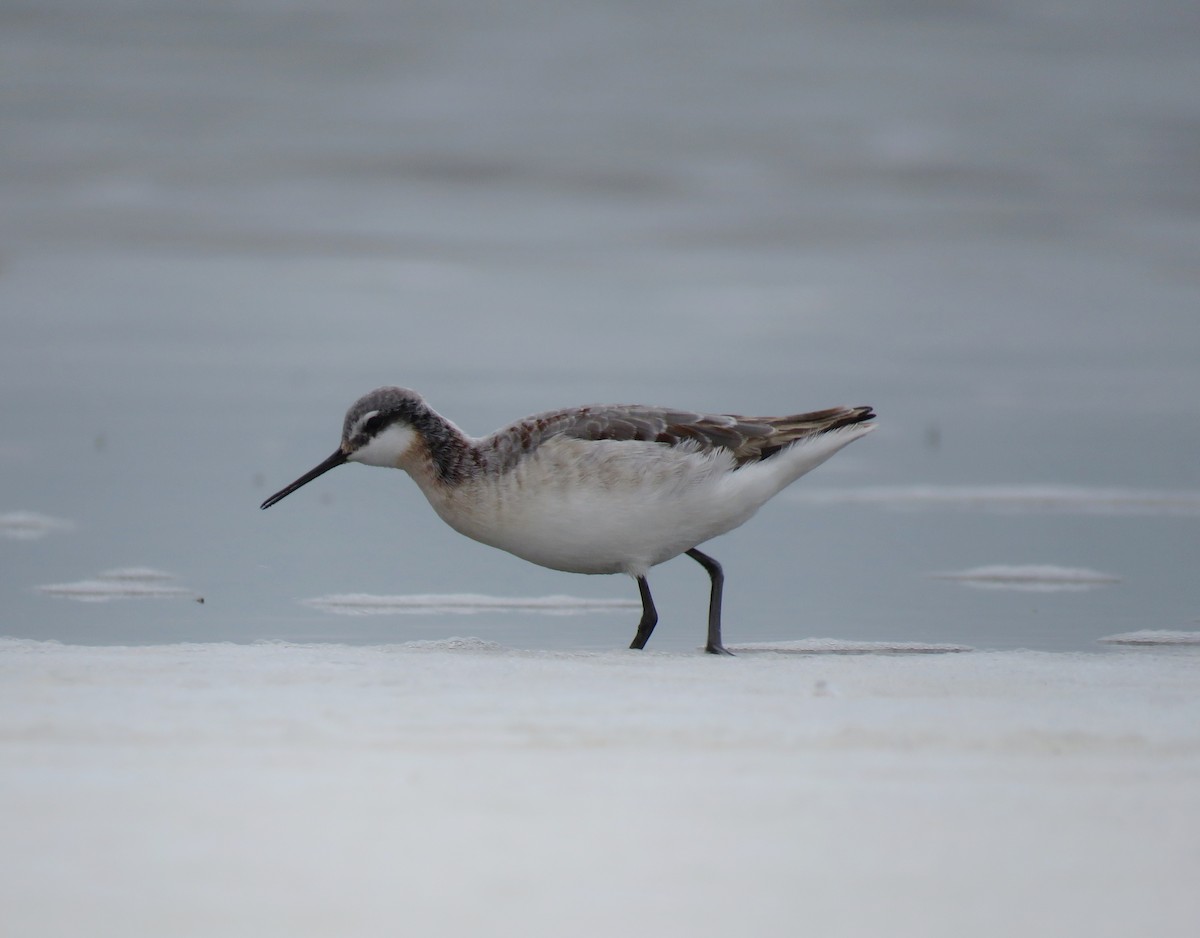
x=442, y=456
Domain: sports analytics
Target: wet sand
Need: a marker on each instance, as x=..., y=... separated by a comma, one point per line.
x=460, y=787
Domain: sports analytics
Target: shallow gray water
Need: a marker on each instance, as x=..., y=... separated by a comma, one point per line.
x=222, y=226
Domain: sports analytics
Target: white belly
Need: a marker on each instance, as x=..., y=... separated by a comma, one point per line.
x=592, y=507
x=619, y=506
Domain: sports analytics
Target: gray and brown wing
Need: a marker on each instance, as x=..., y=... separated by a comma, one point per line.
x=749, y=439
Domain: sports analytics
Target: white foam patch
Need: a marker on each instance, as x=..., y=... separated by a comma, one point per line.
x=29, y=525
x=836, y=646
x=365, y=604
x=136, y=575
x=122, y=583
x=1154, y=637
x=1048, y=499
x=1039, y=578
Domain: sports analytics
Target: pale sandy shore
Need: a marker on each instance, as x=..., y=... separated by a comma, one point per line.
x=458, y=788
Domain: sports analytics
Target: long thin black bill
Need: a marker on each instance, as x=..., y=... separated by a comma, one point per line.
x=331, y=463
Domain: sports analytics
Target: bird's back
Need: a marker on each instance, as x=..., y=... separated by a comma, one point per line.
x=748, y=439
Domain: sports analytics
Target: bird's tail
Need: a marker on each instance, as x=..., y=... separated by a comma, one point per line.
x=796, y=427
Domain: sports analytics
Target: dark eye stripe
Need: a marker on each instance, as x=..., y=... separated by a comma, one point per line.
x=374, y=425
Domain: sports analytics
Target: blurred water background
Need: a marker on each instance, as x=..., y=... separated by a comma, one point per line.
x=224, y=221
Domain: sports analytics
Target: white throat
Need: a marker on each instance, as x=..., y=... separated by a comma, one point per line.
x=387, y=447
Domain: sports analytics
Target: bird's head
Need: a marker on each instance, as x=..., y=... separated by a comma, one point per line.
x=378, y=431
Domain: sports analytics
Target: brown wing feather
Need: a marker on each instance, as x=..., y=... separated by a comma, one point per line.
x=749, y=439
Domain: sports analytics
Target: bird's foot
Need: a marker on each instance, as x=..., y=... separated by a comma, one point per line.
x=718, y=650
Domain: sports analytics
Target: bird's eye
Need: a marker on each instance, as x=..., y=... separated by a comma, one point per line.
x=366, y=425
x=373, y=424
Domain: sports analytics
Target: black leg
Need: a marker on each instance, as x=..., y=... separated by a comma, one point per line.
x=649, y=615
x=714, y=646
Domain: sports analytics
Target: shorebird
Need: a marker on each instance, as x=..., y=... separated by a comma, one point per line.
x=599, y=489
